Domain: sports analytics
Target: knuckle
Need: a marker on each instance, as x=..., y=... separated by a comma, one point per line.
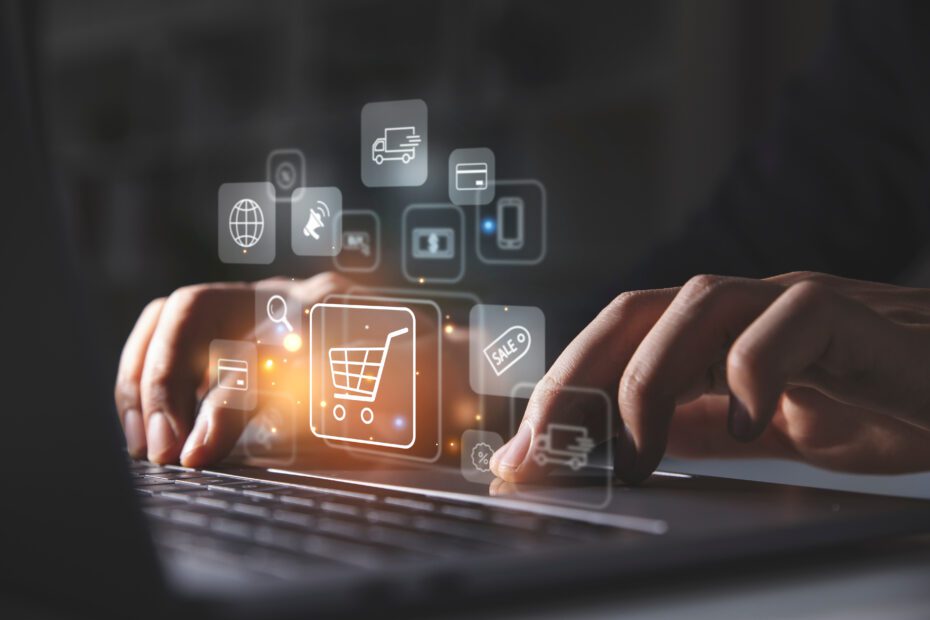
x=187, y=298
x=701, y=286
x=810, y=292
x=636, y=389
x=625, y=302
x=743, y=362
x=125, y=393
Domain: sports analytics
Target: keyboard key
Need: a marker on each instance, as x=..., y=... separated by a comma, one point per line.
x=463, y=512
x=339, y=508
x=231, y=527
x=301, y=519
x=252, y=510
x=412, y=504
x=299, y=499
x=188, y=518
x=211, y=501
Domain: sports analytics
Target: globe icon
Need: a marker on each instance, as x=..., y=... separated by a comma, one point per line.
x=246, y=223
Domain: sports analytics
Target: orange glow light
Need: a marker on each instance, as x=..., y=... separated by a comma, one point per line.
x=293, y=342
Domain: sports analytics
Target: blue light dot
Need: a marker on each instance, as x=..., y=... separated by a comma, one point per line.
x=399, y=422
x=488, y=225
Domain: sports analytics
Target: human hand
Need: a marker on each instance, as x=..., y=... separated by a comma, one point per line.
x=804, y=366
x=162, y=370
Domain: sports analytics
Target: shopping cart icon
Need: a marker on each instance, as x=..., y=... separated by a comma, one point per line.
x=357, y=371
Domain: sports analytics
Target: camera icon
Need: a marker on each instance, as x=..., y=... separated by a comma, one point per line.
x=286, y=170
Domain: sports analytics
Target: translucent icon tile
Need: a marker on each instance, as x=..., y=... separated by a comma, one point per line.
x=234, y=373
x=271, y=434
x=246, y=223
x=572, y=452
x=394, y=148
x=512, y=229
x=286, y=170
x=471, y=176
x=363, y=374
x=279, y=316
x=507, y=347
x=477, y=446
x=361, y=242
x=433, y=243
x=316, y=221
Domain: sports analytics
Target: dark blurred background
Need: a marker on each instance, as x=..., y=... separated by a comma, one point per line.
x=629, y=113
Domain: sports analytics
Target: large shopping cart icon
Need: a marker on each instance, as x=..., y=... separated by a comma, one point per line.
x=363, y=373
x=357, y=371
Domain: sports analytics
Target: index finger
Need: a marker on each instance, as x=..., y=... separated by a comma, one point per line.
x=594, y=359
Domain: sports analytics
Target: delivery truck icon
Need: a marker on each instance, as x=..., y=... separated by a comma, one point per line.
x=397, y=144
x=563, y=444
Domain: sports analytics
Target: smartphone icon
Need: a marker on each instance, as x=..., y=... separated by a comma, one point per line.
x=510, y=223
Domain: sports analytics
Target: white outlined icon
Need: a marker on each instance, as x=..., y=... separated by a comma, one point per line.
x=363, y=374
x=276, y=309
x=316, y=221
x=357, y=241
x=563, y=444
x=470, y=176
x=361, y=242
x=433, y=243
x=319, y=216
x=510, y=214
x=232, y=374
x=477, y=448
x=394, y=143
x=397, y=144
x=508, y=349
x=512, y=230
x=285, y=169
x=246, y=223
x=351, y=369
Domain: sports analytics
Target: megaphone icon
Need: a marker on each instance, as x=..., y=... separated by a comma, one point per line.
x=317, y=220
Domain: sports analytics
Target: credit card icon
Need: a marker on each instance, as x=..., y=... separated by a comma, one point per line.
x=471, y=176
x=232, y=374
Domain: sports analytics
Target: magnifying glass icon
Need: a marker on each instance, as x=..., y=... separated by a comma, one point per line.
x=278, y=317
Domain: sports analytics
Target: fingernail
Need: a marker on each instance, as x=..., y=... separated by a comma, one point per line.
x=160, y=435
x=197, y=438
x=625, y=458
x=739, y=420
x=135, y=433
x=513, y=453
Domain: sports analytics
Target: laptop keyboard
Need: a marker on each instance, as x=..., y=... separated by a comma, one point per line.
x=282, y=529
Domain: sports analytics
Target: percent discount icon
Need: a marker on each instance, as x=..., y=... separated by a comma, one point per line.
x=481, y=456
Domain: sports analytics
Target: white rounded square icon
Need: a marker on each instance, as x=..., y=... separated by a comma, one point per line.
x=278, y=315
x=233, y=373
x=316, y=221
x=363, y=374
x=507, y=348
x=471, y=176
x=394, y=143
x=246, y=223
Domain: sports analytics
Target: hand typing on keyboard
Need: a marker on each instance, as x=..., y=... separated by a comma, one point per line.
x=804, y=366
x=162, y=369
